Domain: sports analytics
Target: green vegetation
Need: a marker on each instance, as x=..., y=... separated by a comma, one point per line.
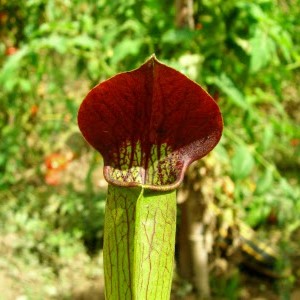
x=246, y=53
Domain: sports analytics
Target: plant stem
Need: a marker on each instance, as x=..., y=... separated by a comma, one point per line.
x=139, y=242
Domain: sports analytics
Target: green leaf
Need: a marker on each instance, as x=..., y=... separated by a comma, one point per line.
x=55, y=42
x=178, y=36
x=265, y=182
x=9, y=72
x=257, y=212
x=228, y=87
x=253, y=9
x=284, y=42
x=84, y=41
x=262, y=50
x=242, y=162
x=268, y=135
x=125, y=48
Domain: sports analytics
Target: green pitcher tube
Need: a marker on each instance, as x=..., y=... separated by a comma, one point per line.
x=139, y=241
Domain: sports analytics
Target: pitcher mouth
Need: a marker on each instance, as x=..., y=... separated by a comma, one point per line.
x=149, y=124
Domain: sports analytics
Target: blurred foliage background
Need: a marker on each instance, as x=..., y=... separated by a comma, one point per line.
x=52, y=192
